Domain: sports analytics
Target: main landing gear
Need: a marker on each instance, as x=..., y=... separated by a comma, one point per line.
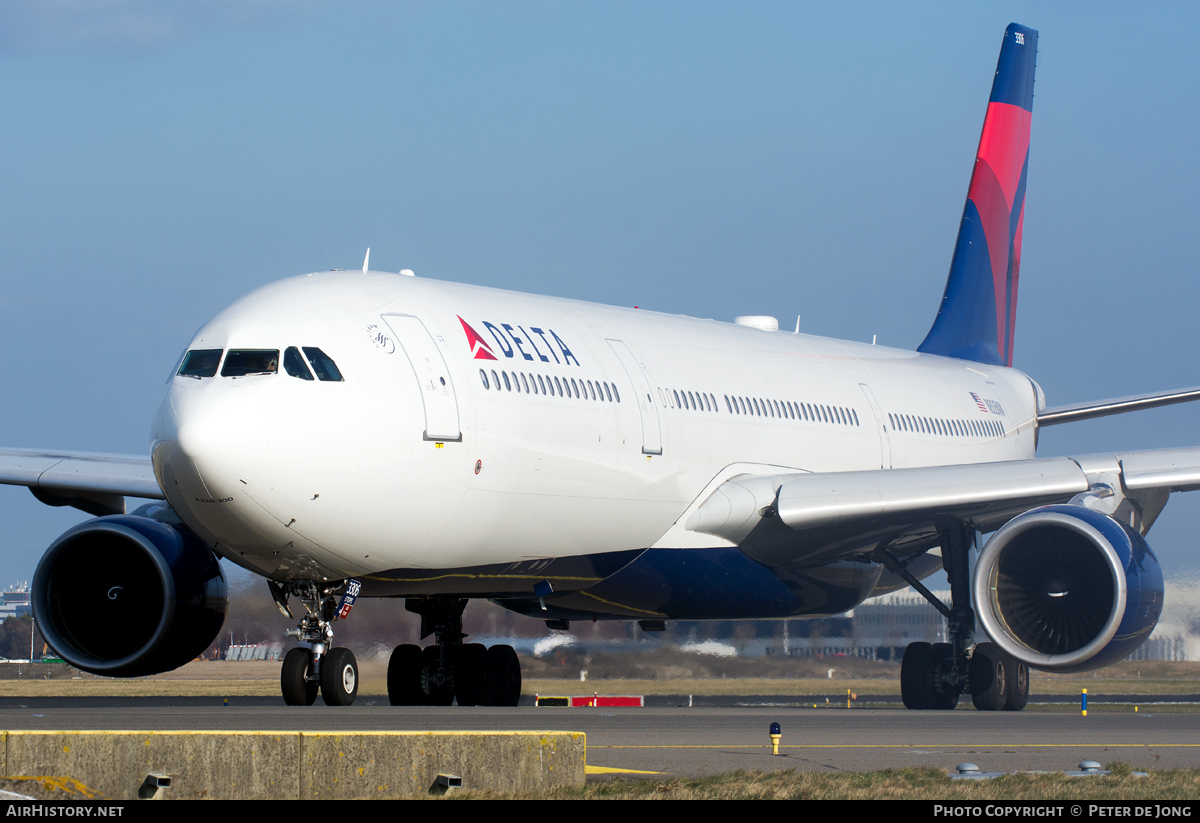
x=450, y=669
x=331, y=671
x=934, y=675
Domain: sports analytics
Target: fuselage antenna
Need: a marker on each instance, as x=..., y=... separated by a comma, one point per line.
x=366, y=259
x=797, y=331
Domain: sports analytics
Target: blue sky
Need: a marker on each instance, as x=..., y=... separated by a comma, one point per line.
x=158, y=160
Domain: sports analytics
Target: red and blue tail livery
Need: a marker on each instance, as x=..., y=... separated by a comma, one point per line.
x=977, y=316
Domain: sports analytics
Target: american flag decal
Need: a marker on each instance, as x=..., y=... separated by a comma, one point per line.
x=978, y=402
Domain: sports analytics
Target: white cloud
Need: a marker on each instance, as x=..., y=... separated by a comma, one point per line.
x=130, y=26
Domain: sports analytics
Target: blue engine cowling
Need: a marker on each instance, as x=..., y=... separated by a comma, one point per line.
x=126, y=596
x=1067, y=589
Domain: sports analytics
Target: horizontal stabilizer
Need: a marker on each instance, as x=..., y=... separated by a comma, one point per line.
x=1117, y=405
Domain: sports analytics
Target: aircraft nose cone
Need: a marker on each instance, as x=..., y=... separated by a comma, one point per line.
x=220, y=431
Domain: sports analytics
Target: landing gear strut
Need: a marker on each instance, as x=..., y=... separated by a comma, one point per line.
x=331, y=671
x=449, y=669
x=932, y=676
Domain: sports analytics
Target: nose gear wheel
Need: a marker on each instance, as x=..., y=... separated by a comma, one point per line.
x=319, y=668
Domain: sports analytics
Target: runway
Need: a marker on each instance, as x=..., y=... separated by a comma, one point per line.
x=696, y=741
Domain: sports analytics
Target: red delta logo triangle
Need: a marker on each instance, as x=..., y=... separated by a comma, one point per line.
x=479, y=349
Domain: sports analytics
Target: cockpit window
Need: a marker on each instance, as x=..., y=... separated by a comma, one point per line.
x=243, y=362
x=325, y=368
x=175, y=369
x=200, y=363
x=293, y=364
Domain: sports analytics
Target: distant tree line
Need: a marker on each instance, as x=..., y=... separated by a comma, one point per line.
x=381, y=623
x=15, y=638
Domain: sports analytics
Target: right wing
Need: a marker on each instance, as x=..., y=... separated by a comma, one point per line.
x=89, y=481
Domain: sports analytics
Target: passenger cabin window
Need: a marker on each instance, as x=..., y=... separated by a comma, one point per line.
x=323, y=365
x=293, y=364
x=245, y=362
x=200, y=363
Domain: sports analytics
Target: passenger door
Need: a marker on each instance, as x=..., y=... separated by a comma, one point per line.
x=885, y=443
x=651, y=436
x=429, y=368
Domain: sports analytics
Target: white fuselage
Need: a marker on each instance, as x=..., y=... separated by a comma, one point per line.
x=392, y=469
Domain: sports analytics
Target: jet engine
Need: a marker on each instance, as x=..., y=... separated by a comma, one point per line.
x=126, y=595
x=1067, y=589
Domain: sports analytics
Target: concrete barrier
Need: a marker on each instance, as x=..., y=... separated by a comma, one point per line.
x=299, y=765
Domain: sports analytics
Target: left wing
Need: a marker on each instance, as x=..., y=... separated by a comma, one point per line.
x=89, y=481
x=1117, y=405
x=806, y=519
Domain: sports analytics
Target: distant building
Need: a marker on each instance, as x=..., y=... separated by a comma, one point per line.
x=15, y=602
x=1162, y=648
x=262, y=651
x=880, y=628
x=877, y=629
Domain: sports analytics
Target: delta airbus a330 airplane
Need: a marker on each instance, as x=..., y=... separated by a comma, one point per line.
x=363, y=434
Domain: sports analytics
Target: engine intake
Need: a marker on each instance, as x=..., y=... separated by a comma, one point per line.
x=126, y=596
x=1067, y=589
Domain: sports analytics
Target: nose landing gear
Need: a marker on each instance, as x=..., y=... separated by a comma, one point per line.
x=332, y=671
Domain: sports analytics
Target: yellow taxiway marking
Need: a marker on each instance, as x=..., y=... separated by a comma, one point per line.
x=611, y=770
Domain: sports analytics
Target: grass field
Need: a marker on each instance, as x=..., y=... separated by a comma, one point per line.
x=261, y=678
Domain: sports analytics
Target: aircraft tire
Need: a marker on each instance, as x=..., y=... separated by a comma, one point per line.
x=1018, y=686
x=916, y=676
x=989, y=677
x=404, y=676
x=296, y=690
x=944, y=698
x=506, y=675
x=436, y=696
x=472, y=676
x=339, y=677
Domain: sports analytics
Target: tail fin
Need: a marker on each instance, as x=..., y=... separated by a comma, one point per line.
x=977, y=316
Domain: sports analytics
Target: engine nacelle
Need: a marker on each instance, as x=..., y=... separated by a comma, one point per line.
x=1067, y=589
x=126, y=596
